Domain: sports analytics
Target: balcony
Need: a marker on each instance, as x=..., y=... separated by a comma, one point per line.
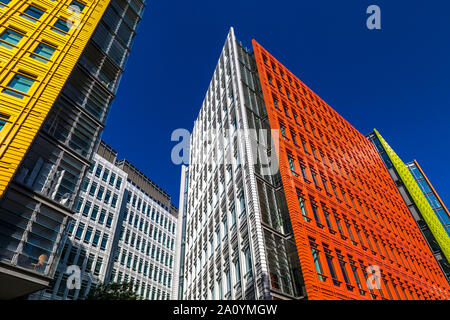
x=31, y=229
x=16, y=282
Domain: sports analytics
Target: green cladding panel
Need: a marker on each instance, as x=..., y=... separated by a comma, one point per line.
x=419, y=199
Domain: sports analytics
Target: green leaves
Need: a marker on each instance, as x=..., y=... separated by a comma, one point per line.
x=113, y=291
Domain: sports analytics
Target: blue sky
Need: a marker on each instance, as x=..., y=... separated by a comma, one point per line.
x=395, y=79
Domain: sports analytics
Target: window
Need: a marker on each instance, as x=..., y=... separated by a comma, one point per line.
x=70, y=227
x=303, y=170
x=217, y=238
x=105, y=175
x=283, y=131
x=339, y=226
x=237, y=271
x=107, y=196
x=301, y=202
x=93, y=188
x=98, y=266
x=79, y=231
x=343, y=269
x=316, y=213
x=355, y=275
x=87, y=208
x=10, y=38
x=80, y=6
x=98, y=172
x=3, y=2
x=112, y=178
x=327, y=218
x=90, y=262
x=96, y=238
x=242, y=203
x=114, y=201
x=61, y=27
x=330, y=263
x=94, y=213
x=104, y=242
x=87, y=236
x=19, y=85
x=85, y=184
x=32, y=13
x=316, y=259
x=248, y=263
x=101, y=219
x=100, y=193
x=314, y=176
x=109, y=221
x=291, y=163
x=3, y=121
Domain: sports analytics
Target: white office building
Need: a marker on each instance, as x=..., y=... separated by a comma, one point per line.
x=225, y=251
x=123, y=231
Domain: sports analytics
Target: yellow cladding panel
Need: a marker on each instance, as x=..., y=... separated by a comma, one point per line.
x=40, y=43
x=419, y=199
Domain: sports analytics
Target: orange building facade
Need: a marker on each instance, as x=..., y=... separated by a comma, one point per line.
x=355, y=237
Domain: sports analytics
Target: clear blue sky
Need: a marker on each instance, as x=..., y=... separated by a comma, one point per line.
x=396, y=79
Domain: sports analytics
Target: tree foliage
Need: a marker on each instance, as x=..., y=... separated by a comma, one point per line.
x=113, y=291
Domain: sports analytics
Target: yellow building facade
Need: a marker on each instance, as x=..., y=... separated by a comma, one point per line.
x=40, y=43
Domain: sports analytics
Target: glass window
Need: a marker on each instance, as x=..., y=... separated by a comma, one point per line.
x=79, y=231
x=248, y=263
x=3, y=120
x=87, y=208
x=32, y=13
x=107, y=196
x=104, y=242
x=291, y=163
x=317, y=263
x=343, y=269
x=355, y=275
x=61, y=27
x=331, y=266
x=301, y=202
x=416, y=173
x=94, y=213
x=237, y=271
x=93, y=188
x=109, y=221
x=19, y=85
x=98, y=266
x=424, y=186
x=105, y=175
x=96, y=238
x=10, y=38
x=85, y=184
x=98, y=171
x=114, y=201
x=315, y=212
x=100, y=193
x=70, y=228
x=102, y=217
x=112, y=178
x=87, y=236
x=3, y=2
x=78, y=4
